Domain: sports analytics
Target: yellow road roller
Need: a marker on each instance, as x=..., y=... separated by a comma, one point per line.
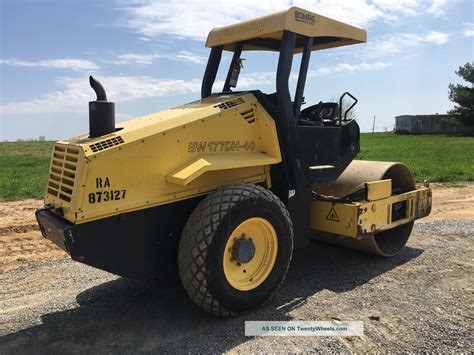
x=223, y=188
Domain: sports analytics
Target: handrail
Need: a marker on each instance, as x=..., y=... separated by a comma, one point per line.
x=350, y=107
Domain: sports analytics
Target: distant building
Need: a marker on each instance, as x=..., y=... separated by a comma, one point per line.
x=429, y=124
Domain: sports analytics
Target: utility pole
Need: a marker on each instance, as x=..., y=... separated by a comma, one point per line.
x=373, y=126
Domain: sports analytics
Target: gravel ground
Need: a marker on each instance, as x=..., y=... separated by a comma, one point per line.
x=420, y=300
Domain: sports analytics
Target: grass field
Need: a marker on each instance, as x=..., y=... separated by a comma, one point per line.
x=430, y=157
x=24, y=165
x=24, y=169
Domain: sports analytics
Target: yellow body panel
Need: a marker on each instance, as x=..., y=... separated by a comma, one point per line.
x=357, y=219
x=159, y=158
x=377, y=190
x=212, y=162
x=331, y=33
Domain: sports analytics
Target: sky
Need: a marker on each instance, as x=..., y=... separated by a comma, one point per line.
x=150, y=55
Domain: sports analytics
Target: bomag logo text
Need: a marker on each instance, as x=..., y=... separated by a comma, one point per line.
x=306, y=18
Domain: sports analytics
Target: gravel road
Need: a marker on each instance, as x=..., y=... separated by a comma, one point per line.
x=420, y=300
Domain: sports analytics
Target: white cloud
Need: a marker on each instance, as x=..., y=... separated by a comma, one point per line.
x=347, y=68
x=437, y=8
x=402, y=43
x=435, y=38
x=402, y=7
x=147, y=59
x=194, y=19
x=188, y=56
x=133, y=58
x=77, y=93
x=253, y=80
x=66, y=63
x=468, y=30
x=359, y=13
x=188, y=19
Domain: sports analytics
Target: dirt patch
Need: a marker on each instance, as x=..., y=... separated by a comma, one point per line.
x=18, y=213
x=21, y=242
x=18, y=229
x=17, y=249
x=452, y=202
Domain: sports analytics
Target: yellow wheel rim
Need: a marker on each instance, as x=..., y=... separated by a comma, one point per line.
x=250, y=254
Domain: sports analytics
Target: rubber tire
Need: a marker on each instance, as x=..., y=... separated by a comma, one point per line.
x=203, y=240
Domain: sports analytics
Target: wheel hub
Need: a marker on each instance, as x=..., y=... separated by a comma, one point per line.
x=250, y=254
x=243, y=250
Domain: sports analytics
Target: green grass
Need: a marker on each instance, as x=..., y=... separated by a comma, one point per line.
x=24, y=165
x=26, y=148
x=24, y=169
x=434, y=158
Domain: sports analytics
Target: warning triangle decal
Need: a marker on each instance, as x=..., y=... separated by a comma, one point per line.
x=332, y=215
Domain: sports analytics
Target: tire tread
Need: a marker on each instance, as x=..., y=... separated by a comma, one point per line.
x=197, y=236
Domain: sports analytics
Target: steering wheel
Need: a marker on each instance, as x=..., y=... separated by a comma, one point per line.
x=326, y=113
x=314, y=113
x=310, y=116
x=323, y=113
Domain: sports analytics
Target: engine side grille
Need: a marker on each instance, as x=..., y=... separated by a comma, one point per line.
x=96, y=147
x=228, y=104
x=249, y=115
x=62, y=172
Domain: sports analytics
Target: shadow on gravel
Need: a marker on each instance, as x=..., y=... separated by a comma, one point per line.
x=131, y=316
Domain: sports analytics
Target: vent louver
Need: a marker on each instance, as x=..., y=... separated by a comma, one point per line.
x=62, y=172
x=96, y=147
x=228, y=104
x=249, y=115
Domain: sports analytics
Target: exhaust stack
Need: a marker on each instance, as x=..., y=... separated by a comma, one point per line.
x=101, y=112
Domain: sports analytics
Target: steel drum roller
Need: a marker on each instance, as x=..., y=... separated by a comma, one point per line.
x=386, y=243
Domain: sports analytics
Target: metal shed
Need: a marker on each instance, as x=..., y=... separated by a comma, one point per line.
x=428, y=124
